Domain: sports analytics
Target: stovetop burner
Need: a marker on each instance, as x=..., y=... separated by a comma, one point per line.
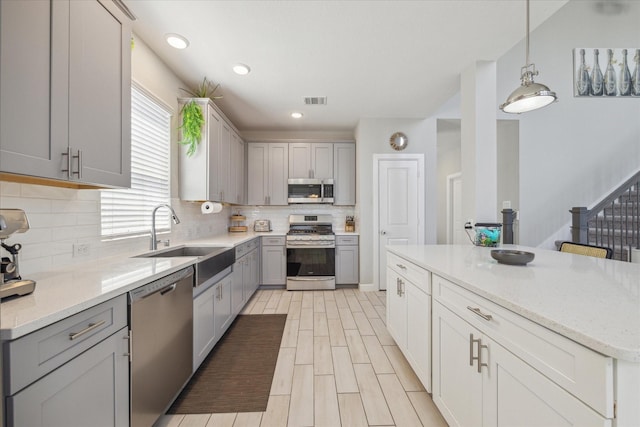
x=310, y=227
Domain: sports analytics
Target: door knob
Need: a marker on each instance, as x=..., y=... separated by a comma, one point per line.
x=383, y=233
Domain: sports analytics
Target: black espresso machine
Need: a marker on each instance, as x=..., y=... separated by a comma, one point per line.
x=13, y=221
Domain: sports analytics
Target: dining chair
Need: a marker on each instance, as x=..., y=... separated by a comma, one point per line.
x=589, y=250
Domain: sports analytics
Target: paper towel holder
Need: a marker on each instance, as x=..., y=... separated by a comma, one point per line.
x=210, y=207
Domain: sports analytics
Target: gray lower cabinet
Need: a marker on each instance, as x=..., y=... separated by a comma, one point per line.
x=222, y=313
x=74, y=372
x=274, y=261
x=347, y=261
x=204, y=333
x=212, y=314
x=246, y=272
x=90, y=390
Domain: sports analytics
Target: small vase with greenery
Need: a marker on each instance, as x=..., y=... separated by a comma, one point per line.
x=192, y=117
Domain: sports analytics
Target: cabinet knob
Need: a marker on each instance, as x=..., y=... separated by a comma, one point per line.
x=383, y=233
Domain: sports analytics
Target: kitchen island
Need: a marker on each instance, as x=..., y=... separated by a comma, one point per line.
x=557, y=339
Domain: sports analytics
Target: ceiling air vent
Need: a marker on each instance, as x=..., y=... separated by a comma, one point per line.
x=315, y=100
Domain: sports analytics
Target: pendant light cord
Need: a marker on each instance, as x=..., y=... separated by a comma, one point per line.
x=527, y=38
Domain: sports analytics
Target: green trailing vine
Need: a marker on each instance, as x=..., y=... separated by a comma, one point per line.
x=192, y=121
x=192, y=118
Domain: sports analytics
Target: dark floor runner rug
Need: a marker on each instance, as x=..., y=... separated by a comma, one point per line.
x=237, y=374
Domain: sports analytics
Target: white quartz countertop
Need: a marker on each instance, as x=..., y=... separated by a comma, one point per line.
x=66, y=291
x=593, y=301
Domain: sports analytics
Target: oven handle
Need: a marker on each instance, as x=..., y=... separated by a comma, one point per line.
x=309, y=279
x=332, y=246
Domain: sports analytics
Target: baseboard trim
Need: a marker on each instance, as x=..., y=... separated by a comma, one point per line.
x=367, y=287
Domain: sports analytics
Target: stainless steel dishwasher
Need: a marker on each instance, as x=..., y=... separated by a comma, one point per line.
x=161, y=322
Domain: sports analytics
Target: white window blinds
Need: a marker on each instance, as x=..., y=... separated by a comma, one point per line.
x=128, y=212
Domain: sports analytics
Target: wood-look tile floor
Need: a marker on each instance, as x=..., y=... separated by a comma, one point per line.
x=337, y=366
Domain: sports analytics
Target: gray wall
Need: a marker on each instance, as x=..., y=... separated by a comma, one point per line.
x=449, y=162
x=372, y=136
x=573, y=152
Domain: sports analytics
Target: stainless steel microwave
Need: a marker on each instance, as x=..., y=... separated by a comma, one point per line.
x=309, y=190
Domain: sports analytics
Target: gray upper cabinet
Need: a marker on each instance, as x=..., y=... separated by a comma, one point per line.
x=237, y=184
x=267, y=173
x=311, y=160
x=344, y=160
x=68, y=64
x=213, y=171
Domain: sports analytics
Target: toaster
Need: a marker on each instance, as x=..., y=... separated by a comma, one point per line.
x=262, y=225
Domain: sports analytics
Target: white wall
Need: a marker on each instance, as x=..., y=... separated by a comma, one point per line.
x=575, y=151
x=372, y=136
x=449, y=162
x=61, y=217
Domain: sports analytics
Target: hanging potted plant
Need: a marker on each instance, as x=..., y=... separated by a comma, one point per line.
x=192, y=117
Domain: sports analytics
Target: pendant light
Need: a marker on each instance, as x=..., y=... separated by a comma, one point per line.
x=530, y=95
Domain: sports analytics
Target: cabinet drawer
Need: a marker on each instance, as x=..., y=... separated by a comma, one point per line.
x=273, y=241
x=586, y=374
x=418, y=275
x=346, y=240
x=246, y=247
x=33, y=356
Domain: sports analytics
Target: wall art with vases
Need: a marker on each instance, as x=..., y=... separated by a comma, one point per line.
x=606, y=72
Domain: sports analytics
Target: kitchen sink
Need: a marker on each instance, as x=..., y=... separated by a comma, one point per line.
x=197, y=251
x=211, y=259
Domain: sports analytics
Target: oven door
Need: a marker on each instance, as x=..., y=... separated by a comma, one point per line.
x=311, y=268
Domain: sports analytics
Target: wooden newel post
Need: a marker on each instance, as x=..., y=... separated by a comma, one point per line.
x=579, y=228
x=508, y=215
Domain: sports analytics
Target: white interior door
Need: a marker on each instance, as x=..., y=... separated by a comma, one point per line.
x=399, y=206
x=455, y=222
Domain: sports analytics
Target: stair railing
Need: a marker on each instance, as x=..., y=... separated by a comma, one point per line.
x=613, y=223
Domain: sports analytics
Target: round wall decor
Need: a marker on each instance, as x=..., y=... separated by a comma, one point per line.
x=398, y=141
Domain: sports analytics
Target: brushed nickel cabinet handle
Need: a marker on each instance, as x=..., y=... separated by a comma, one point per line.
x=401, y=266
x=91, y=327
x=68, y=169
x=79, y=157
x=479, y=357
x=477, y=311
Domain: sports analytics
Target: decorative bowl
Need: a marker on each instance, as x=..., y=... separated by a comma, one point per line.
x=512, y=257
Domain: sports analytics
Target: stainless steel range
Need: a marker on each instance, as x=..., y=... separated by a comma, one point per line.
x=311, y=253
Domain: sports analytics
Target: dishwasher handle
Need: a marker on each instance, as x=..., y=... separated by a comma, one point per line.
x=163, y=286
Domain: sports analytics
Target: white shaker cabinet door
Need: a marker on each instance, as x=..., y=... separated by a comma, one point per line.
x=516, y=394
x=396, y=308
x=457, y=385
x=418, y=350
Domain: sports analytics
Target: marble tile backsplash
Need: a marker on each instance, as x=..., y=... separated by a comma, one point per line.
x=61, y=218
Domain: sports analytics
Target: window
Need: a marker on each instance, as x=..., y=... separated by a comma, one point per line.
x=127, y=213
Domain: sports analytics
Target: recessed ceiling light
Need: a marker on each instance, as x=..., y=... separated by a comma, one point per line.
x=241, y=69
x=296, y=115
x=177, y=41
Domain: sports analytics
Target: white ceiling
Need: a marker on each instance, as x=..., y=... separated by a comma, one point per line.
x=390, y=59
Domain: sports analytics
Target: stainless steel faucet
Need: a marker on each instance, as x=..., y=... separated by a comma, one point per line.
x=174, y=217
